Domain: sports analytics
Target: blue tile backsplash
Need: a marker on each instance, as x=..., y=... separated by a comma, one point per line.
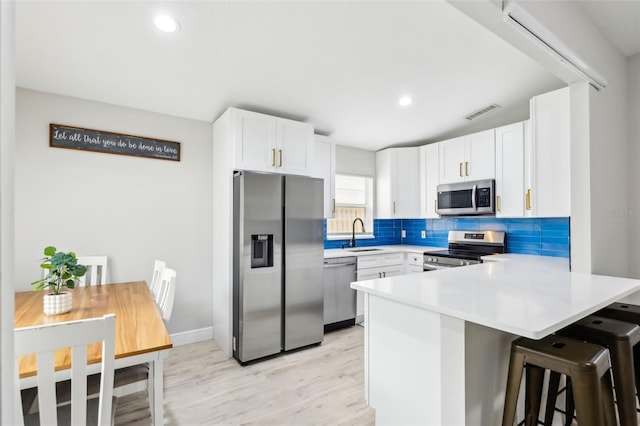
x=541, y=236
x=386, y=231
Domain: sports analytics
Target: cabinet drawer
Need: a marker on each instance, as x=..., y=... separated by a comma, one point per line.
x=378, y=260
x=380, y=272
x=415, y=259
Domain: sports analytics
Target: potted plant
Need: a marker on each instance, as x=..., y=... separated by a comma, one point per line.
x=63, y=271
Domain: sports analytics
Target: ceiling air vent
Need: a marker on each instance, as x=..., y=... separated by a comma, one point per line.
x=481, y=111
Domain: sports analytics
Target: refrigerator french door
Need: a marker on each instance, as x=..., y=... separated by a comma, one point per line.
x=278, y=264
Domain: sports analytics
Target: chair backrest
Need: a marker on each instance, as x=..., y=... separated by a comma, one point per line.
x=43, y=340
x=156, y=279
x=96, y=270
x=167, y=293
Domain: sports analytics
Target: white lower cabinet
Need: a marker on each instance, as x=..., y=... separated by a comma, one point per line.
x=414, y=263
x=377, y=266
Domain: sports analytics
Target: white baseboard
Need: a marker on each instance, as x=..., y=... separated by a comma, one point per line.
x=192, y=336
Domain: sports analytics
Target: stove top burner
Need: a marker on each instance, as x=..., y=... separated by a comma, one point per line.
x=456, y=254
x=466, y=248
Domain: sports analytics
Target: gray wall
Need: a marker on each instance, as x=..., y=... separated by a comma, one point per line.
x=7, y=133
x=633, y=116
x=133, y=210
x=355, y=161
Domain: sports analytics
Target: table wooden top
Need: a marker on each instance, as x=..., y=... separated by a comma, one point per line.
x=139, y=325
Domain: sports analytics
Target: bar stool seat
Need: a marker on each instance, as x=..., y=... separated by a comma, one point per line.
x=621, y=311
x=587, y=364
x=619, y=337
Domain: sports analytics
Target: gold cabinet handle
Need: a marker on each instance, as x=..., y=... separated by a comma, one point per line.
x=466, y=168
x=498, y=206
x=333, y=205
x=273, y=157
x=394, y=207
x=280, y=151
x=528, y=199
x=460, y=168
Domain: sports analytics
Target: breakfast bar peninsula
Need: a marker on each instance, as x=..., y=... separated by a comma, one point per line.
x=437, y=343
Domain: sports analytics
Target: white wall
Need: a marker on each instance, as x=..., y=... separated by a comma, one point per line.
x=633, y=115
x=7, y=137
x=603, y=243
x=604, y=135
x=132, y=209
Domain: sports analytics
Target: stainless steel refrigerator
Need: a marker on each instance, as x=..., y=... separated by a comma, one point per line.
x=278, y=256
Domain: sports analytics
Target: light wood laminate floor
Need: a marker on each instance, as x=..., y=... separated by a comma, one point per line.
x=322, y=385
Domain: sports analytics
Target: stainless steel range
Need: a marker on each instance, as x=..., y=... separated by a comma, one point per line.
x=465, y=248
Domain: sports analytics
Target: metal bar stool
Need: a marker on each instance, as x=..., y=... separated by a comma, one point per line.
x=619, y=337
x=630, y=313
x=587, y=364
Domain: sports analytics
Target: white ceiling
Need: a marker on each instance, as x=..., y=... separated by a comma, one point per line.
x=339, y=65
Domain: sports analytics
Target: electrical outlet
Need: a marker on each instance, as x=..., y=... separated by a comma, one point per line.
x=404, y=234
x=423, y=234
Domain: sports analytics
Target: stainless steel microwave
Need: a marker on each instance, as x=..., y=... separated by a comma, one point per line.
x=466, y=198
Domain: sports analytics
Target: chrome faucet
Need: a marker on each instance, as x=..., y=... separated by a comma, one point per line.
x=352, y=243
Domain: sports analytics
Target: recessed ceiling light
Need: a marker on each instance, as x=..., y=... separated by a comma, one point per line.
x=405, y=101
x=166, y=23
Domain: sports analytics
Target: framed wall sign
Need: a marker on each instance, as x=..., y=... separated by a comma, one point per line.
x=62, y=136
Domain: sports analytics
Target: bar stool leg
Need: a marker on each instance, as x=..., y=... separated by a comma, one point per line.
x=608, y=403
x=552, y=395
x=636, y=368
x=588, y=399
x=625, y=390
x=514, y=377
x=569, y=406
x=533, y=394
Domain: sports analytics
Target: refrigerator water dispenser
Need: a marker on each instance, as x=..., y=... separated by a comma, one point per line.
x=261, y=250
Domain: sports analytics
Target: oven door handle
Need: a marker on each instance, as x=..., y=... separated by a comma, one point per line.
x=473, y=197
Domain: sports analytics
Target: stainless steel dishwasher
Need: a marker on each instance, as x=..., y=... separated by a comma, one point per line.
x=339, y=297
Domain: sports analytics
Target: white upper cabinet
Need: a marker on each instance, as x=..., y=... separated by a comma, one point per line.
x=469, y=157
x=547, y=156
x=451, y=158
x=510, y=187
x=429, y=179
x=398, y=183
x=324, y=166
x=271, y=144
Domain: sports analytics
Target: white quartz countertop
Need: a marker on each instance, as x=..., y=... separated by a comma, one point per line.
x=530, y=296
x=398, y=248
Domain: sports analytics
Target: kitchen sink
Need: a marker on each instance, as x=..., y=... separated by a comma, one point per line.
x=364, y=249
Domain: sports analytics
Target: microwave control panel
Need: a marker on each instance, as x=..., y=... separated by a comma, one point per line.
x=484, y=197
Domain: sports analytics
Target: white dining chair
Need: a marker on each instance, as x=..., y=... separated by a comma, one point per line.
x=156, y=278
x=167, y=293
x=136, y=378
x=43, y=340
x=96, y=270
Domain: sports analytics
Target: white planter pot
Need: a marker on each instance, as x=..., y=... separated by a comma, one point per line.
x=55, y=304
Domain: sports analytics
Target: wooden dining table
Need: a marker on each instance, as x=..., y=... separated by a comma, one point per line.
x=140, y=336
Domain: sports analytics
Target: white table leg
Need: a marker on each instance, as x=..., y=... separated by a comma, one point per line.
x=157, y=401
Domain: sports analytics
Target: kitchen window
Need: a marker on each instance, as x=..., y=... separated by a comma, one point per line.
x=354, y=198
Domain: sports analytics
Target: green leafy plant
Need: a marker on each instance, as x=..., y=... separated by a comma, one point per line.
x=63, y=270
